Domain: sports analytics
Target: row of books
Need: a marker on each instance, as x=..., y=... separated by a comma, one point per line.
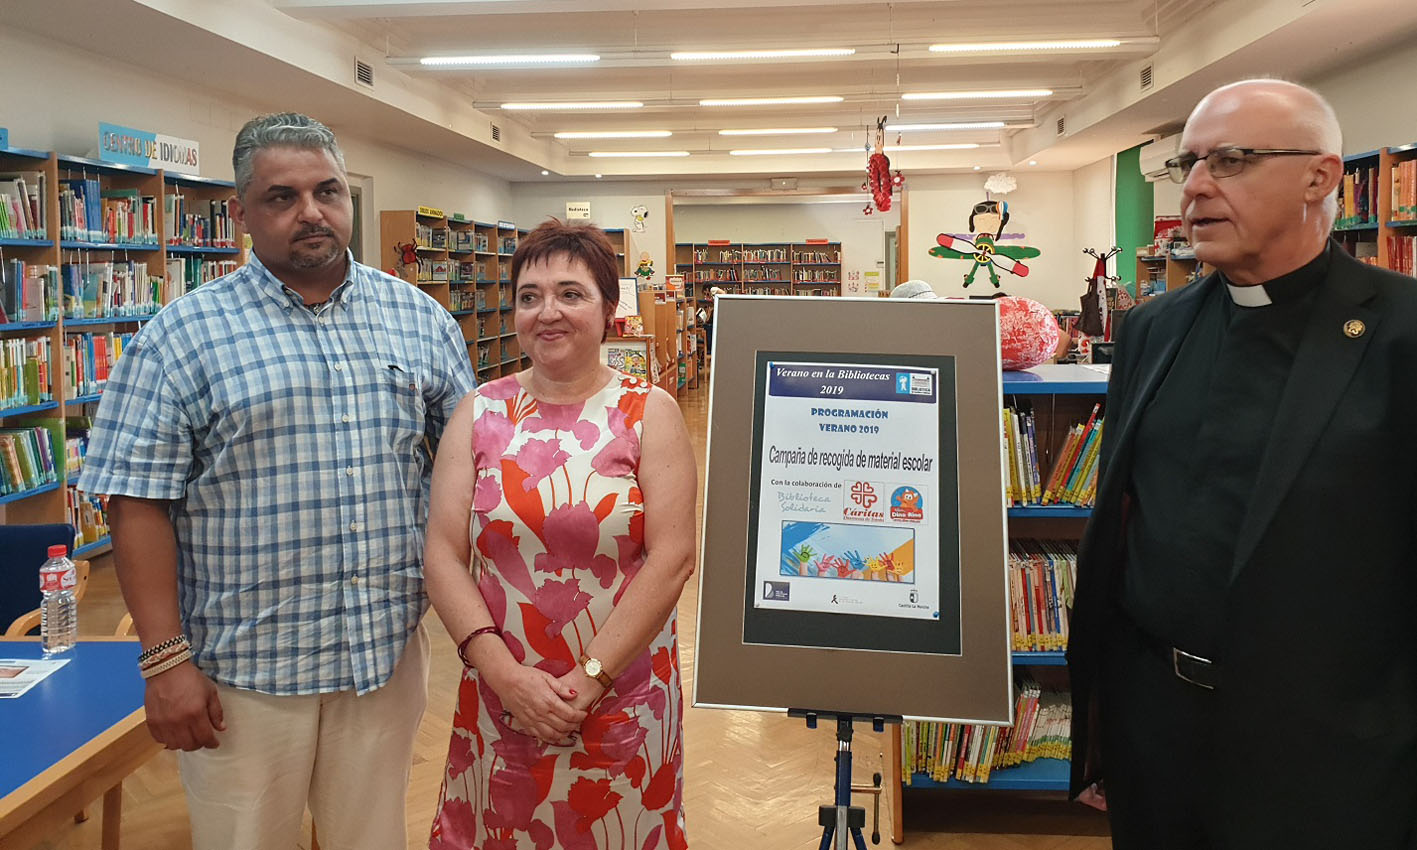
x=1072, y=478
x=469, y=240
x=1402, y=254
x=817, y=275
x=1042, y=575
x=24, y=372
x=29, y=292
x=715, y=275
x=816, y=257
x=22, y=205
x=88, y=514
x=197, y=222
x=110, y=289
x=185, y=274
x=27, y=458
x=1358, y=198
x=763, y=273
x=1404, y=191
x=971, y=753
x=88, y=360
x=88, y=212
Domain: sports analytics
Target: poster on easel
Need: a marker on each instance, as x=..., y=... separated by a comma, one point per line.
x=857, y=559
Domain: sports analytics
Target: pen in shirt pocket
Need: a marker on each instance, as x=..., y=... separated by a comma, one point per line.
x=400, y=374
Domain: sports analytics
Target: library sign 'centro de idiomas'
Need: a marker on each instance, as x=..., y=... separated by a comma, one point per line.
x=126, y=146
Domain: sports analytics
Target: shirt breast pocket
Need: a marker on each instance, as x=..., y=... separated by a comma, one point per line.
x=401, y=405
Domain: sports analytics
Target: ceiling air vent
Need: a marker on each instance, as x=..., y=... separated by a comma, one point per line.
x=496, y=133
x=1146, y=78
x=364, y=73
x=1062, y=125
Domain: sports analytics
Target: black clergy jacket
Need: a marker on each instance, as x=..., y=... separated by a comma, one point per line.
x=1317, y=711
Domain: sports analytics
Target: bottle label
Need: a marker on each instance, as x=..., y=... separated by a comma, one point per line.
x=53, y=582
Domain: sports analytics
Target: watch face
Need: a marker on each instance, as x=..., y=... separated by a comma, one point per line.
x=592, y=667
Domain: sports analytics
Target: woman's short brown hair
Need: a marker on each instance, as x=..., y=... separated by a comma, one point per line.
x=584, y=242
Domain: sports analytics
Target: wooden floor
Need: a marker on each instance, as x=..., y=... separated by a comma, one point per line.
x=753, y=780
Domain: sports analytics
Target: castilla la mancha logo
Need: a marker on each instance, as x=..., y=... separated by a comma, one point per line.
x=907, y=505
x=861, y=497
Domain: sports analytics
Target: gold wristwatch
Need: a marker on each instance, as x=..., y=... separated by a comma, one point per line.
x=594, y=669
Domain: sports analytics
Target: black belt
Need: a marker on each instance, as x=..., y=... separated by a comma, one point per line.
x=1198, y=671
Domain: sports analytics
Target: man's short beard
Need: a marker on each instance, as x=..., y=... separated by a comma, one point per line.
x=301, y=260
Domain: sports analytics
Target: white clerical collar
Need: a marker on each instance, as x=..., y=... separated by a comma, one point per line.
x=1249, y=296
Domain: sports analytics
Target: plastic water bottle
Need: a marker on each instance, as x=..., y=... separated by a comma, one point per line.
x=58, y=609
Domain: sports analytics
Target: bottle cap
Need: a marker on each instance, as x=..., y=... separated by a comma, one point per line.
x=58, y=551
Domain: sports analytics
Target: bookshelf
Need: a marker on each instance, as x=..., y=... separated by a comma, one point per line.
x=1397, y=209
x=811, y=267
x=1171, y=270
x=118, y=243
x=1060, y=396
x=465, y=265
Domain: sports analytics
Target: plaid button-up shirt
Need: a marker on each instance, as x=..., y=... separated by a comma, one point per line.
x=291, y=444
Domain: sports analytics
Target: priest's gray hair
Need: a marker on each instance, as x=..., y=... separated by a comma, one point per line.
x=283, y=130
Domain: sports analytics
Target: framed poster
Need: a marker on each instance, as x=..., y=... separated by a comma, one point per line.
x=854, y=549
x=629, y=355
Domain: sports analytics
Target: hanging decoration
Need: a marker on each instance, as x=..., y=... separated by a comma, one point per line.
x=1000, y=183
x=986, y=224
x=1094, y=316
x=879, y=180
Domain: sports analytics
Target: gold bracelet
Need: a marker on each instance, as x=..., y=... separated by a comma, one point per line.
x=149, y=672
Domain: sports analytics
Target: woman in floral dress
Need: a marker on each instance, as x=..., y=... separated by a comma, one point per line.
x=568, y=489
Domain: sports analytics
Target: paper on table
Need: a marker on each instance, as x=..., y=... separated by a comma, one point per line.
x=18, y=675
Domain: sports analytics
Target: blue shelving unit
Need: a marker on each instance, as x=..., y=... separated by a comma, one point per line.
x=1040, y=775
x=1404, y=223
x=1047, y=658
x=201, y=250
x=85, y=399
x=106, y=320
x=1057, y=511
x=74, y=244
x=1056, y=379
x=27, y=243
x=27, y=409
x=98, y=166
x=90, y=548
x=26, y=326
x=464, y=312
x=25, y=494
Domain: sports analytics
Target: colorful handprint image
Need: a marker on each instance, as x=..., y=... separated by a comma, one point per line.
x=854, y=552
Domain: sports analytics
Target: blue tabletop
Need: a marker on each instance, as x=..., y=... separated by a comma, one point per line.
x=97, y=688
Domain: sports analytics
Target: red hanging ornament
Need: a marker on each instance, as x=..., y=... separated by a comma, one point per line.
x=878, y=170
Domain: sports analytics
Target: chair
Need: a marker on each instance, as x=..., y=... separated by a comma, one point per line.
x=22, y=549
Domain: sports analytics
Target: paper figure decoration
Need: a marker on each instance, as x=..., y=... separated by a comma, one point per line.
x=1093, y=318
x=407, y=255
x=879, y=181
x=646, y=267
x=1028, y=333
x=986, y=222
x=639, y=213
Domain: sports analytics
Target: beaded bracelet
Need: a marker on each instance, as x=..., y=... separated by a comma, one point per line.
x=154, y=660
x=462, y=647
x=170, y=643
x=164, y=666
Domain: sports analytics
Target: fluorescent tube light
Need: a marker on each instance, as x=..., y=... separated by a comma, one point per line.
x=778, y=151
x=509, y=59
x=584, y=104
x=999, y=94
x=955, y=147
x=738, y=55
x=613, y=134
x=781, y=131
x=958, y=125
x=770, y=101
x=629, y=154
x=1025, y=46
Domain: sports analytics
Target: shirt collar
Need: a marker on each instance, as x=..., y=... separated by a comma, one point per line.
x=289, y=299
x=1285, y=288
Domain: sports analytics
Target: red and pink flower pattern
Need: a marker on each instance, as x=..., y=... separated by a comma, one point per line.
x=557, y=535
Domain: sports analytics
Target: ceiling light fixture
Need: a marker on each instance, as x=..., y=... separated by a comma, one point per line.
x=598, y=176
x=781, y=131
x=564, y=106
x=544, y=172
x=613, y=134
x=778, y=151
x=1033, y=162
x=995, y=94
x=958, y=125
x=1057, y=45
x=770, y=101
x=956, y=147
x=508, y=59
x=978, y=168
x=740, y=55
x=628, y=154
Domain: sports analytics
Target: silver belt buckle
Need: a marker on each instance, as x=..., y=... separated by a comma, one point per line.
x=1177, y=655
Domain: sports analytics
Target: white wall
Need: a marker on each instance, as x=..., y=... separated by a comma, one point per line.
x=79, y=91
x=1094, y=216
x=610, y=207
x=1371, y=99
x=1043, y=208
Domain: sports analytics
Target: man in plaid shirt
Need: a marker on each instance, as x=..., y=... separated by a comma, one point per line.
x=265, y=442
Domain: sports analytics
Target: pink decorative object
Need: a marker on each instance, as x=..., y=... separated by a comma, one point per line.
x=1028, y=333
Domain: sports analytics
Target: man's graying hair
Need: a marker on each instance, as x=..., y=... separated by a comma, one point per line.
x=283, y=129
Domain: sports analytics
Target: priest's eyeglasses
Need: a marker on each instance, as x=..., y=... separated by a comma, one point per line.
x=1224, y=162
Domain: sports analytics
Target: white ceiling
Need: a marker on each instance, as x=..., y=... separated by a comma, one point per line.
x=299, y=54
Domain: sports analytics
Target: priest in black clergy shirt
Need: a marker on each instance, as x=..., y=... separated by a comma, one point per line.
x=1242, y=660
